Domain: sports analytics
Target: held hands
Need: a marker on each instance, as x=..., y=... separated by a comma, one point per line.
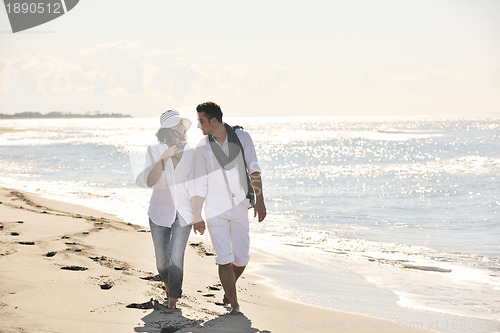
x=199, y=227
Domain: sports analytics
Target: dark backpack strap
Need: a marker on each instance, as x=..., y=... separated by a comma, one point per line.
x=251, y=191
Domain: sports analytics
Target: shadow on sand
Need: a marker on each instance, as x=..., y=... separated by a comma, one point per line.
x=231, y=323
x=163, y=320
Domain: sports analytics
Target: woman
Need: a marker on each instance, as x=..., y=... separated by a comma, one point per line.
x=169, y=171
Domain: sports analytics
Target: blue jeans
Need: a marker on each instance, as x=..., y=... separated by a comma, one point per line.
x=170, y=245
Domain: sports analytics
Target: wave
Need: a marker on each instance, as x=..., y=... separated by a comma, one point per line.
x=423, y=278
x=318, y=135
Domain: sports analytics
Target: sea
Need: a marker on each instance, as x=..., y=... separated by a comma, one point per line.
x=396, y=218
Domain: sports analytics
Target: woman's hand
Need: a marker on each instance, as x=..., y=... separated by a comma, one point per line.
x=171, y=151
x=155, y=173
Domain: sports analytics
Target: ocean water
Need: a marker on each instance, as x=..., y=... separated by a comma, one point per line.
x=392, y=217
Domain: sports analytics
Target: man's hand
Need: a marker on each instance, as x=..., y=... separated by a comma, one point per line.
x=199, y=227
x=260, y=209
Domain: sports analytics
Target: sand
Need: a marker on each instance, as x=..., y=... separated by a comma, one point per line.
x=11, y=130
x=68, y=268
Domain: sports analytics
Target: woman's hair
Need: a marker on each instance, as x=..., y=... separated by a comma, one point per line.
x=171, y=137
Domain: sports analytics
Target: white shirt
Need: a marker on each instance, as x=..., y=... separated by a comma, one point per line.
x=209, y=175
x=173, y=190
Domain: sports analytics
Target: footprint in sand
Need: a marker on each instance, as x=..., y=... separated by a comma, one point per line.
x=151, y=277
x=14, y=234
x=106, y=285
x=142, y=306
x=27, y=243
x=201, y=249
x=50, y=254
x=74, y=268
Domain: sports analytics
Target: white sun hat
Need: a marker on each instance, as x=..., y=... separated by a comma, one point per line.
x=170, y=118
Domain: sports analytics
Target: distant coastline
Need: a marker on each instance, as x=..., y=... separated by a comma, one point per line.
x=56, y=114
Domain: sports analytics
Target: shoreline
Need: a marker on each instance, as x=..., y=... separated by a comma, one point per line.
x=72, y=268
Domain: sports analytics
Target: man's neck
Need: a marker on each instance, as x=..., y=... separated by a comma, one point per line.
x=220, y=133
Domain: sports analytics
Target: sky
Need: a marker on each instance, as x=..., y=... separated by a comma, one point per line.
x=258, y=58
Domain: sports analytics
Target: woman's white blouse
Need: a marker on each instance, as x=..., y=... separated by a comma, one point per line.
x=173, y=190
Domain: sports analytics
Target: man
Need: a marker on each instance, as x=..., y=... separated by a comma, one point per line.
x=222, y=184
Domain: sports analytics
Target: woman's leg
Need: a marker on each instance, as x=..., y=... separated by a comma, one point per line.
x=178, y=243
x=161, y=241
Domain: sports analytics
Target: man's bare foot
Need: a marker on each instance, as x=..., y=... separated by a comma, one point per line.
x=225, y=300
x=235, y=311
x=172, y=303
x=166, y=288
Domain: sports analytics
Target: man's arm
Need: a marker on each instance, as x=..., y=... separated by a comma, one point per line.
x=201, y=188
x=260, y=206
x=254, y=170
x=199, y=224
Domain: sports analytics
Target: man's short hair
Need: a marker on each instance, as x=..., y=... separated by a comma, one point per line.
x=211, y=110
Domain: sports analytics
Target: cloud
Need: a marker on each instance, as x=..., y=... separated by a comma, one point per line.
x=122, y=77
x=445, y=79
x=123, y=73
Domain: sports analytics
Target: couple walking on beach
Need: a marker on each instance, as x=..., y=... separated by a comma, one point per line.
x=222, y=173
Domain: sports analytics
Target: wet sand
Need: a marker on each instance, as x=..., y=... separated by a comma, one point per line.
x=68, y=268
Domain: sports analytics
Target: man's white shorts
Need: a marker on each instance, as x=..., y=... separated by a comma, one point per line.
x=229, y=232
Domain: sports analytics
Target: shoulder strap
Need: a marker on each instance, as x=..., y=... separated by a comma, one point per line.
x=251, y=191
x=239, y=142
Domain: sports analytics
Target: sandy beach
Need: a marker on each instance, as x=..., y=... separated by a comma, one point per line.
x=67, y=268
x=11, y=130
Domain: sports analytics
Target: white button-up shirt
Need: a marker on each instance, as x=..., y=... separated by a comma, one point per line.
x=173, y=190
x=209, y=175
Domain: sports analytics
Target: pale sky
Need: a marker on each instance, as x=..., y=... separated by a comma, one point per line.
x=258, y=58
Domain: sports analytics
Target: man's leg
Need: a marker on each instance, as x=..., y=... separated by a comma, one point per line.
x=228, y=280
x=219, y=229
x=240, y=241
x=237, y=270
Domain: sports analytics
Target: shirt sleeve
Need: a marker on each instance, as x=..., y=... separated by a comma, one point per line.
x=200, y=170
x=249, y=150
x=142, y=178
x=191, y=185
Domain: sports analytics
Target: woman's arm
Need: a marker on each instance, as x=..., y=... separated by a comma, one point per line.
x=155, y=173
